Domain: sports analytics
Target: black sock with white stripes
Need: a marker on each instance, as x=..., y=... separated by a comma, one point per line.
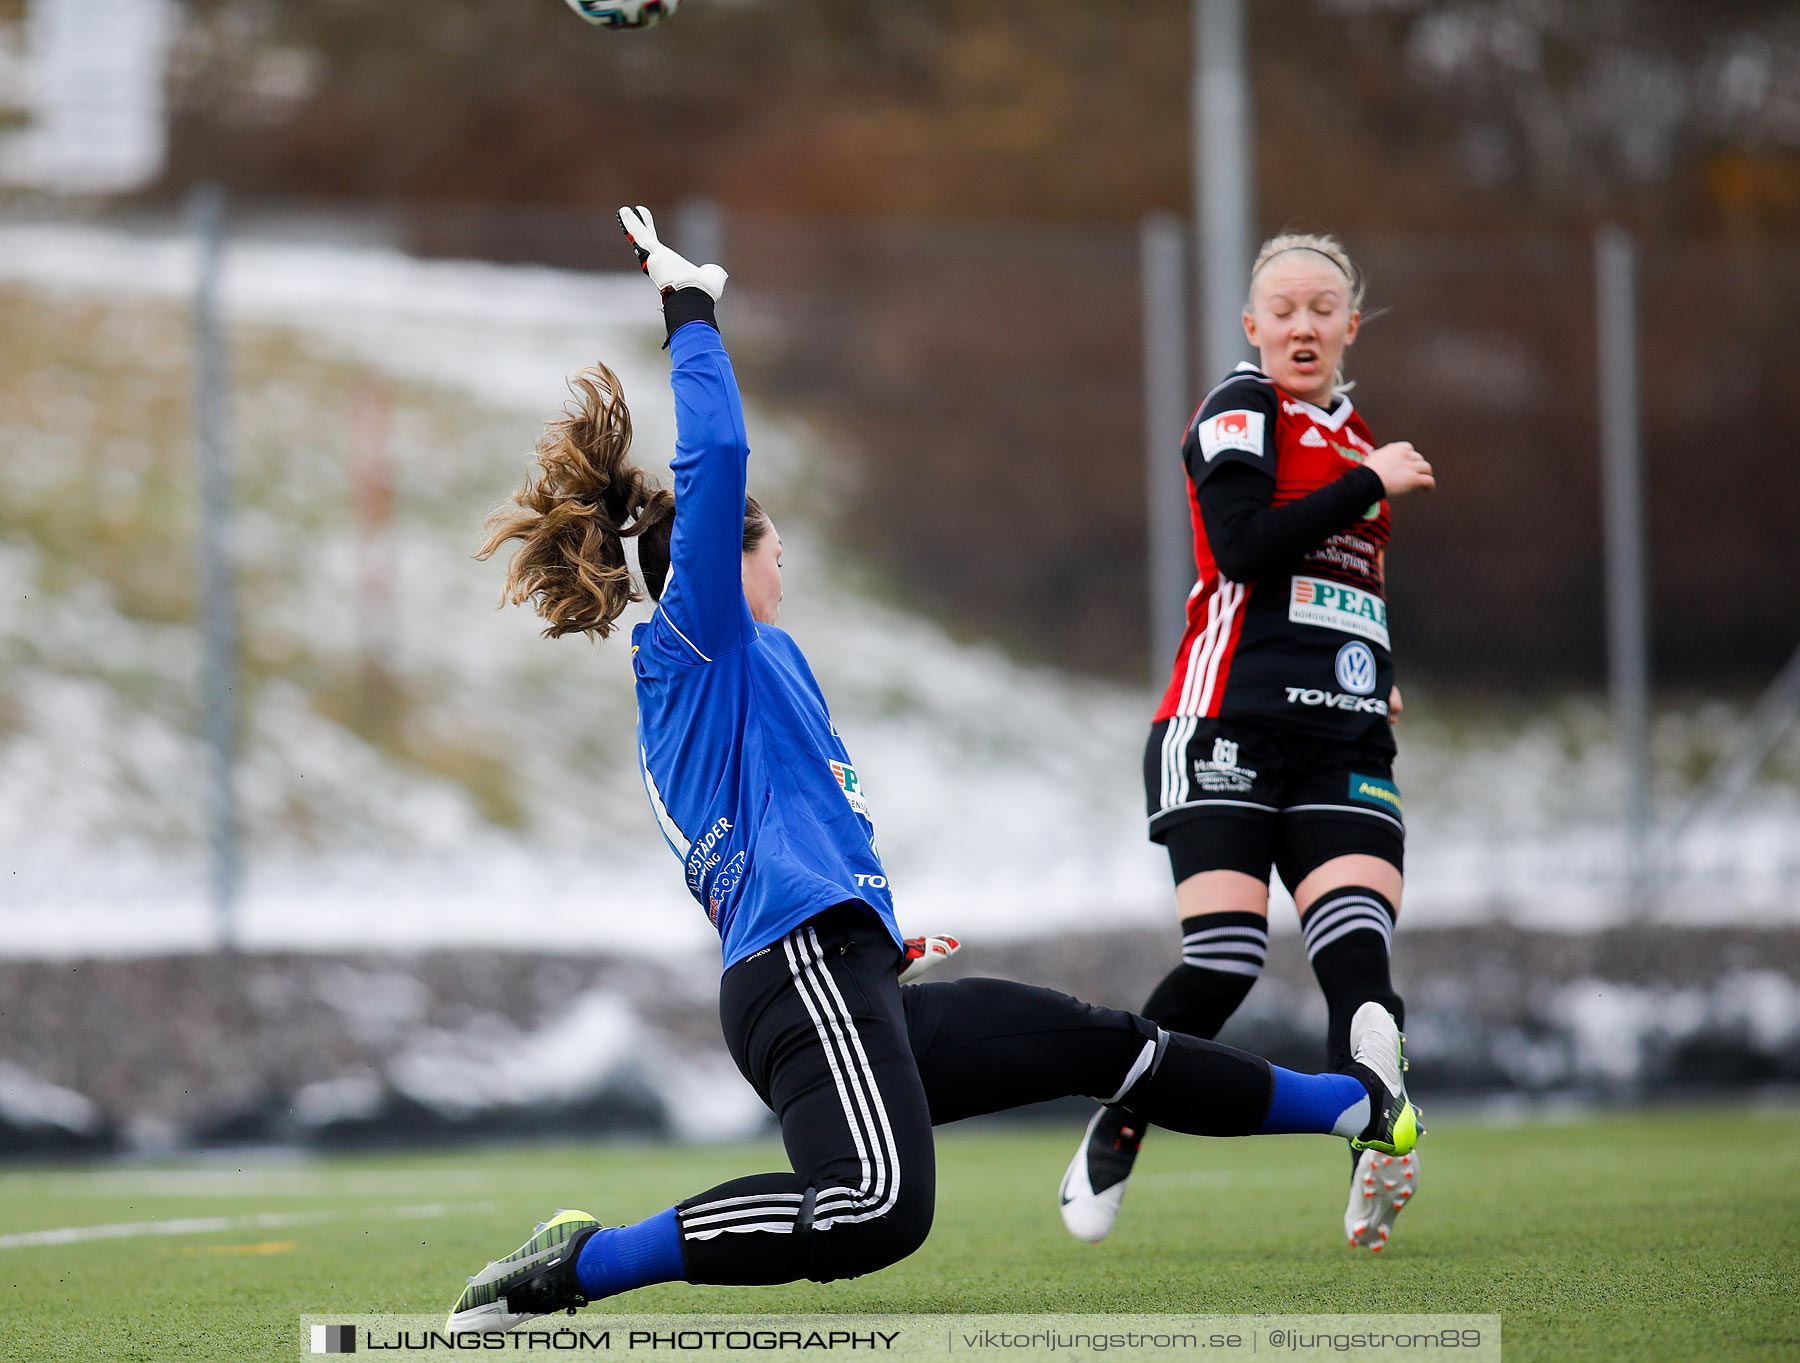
x=1221, y=956
x=1348, y=933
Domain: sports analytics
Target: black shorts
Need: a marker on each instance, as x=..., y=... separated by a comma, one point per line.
x=1228, y=796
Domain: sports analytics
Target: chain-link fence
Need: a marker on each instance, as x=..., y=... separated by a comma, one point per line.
x=975, y=366
x=954, y=413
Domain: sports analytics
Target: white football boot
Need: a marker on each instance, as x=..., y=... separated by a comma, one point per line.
x=1380, y=1185
x=1094, y=1186
x=1386, y=1173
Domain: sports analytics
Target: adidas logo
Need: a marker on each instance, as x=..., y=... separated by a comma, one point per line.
x=1312, y=437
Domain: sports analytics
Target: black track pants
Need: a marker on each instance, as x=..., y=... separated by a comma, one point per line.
x=859, y=1070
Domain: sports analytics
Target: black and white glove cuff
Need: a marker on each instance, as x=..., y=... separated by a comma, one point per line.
x=692, y=304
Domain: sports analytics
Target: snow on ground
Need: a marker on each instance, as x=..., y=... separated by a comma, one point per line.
x=1007, y=798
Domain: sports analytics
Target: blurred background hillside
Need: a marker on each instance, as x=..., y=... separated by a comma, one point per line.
x=940, y=201
x=934, y=215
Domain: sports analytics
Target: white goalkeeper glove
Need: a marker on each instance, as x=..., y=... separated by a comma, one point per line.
x=667, y=270
x=922, y=953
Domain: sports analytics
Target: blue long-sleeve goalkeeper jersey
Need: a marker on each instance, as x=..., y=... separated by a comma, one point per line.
x=745, y=771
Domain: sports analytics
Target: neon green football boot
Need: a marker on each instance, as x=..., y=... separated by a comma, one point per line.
x=1376, y=1046
x=536, y=1279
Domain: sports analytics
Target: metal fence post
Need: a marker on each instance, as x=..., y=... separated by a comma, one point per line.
x=1224, y=205
x=1162, y=248
x=1627, y=611
x=206, y=216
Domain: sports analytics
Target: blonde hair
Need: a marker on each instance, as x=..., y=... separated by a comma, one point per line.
x=1323, y=244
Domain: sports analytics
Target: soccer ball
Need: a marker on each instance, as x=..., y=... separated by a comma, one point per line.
x=625, y=13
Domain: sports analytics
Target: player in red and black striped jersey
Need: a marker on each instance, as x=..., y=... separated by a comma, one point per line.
x=1272, y=748
x=1290, y=535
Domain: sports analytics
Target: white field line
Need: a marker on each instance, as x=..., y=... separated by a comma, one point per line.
x=243, y=1185
x=207, y=1225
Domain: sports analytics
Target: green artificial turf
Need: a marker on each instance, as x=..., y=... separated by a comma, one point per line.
x=1625, y=1236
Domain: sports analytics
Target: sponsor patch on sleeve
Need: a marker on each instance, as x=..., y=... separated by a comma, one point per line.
x=1231, y=431
x=723, y=884
x=1372, y=790
x=851, y=784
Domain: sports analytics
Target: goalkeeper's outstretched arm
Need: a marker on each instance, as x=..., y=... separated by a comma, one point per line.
x=703, y=601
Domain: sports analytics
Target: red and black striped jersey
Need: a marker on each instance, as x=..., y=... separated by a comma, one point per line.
x=1304, y=646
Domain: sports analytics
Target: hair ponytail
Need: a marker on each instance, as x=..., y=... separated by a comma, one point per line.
x=575, y=512
x=577, y=509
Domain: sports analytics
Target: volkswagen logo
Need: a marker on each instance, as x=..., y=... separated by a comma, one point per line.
x=1356, y=668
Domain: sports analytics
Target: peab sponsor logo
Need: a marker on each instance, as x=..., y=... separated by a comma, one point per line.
x=851, y=784
x=1339, y=606
x=1356, y=668
x=1231, y=431
x=1336, y=700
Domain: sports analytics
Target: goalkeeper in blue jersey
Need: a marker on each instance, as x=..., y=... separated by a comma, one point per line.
x=761, y=803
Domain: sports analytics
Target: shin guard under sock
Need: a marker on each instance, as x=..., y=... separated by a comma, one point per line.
x=1221, y=956
x=1348, y=933
x=619, y=1258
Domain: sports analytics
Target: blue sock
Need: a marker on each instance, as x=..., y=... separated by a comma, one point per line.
x=616, y=1259
x=1324, y=1104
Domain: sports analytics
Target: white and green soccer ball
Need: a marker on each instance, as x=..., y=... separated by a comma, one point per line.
x=625, y=13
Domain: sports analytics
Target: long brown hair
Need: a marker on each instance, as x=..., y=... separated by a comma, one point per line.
x=580, y=503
